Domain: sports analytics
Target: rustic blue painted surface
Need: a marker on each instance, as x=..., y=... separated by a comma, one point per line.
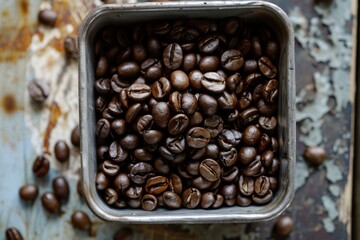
x=322, y=205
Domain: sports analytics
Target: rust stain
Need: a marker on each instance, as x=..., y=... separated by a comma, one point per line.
x=9, y=104
x=12, y=46
x=24, y=7
x=65, y=17
x=55, y=113
x=57, y=43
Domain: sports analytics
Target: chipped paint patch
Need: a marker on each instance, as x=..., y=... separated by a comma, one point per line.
x=332, y=211
x=333, y=172
x=335, y=190
x=301, y=174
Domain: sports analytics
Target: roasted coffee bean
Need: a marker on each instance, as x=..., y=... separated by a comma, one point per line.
x=124, y=233
x=209, y=44
x=50, y=202
x=38, y=90
x=179, y=80
x=103, y=86
x=188, y=103
x=41, y=166
x=195, y=119
x=213, y=82
x=172, y=157
x=70, y=47
x=251, y=135
x=209, y=64
x=252, y=80
x=230, y=174
x=111, y=196
x=245, y=100
x=247, y=155
x=152, y=137
x=139, y=92
x=246, y=185
x=161, y=114
x=261, y=185
x=117, y=153
x=258, y=93
x=250, y=66
x=144, y=123
x=102, y=68
x=266, y=67
x=219, y=200
x=266, y=158
x=134, y=202
x=138, y=52
x=214, y=125
x=264, y=142
x=232, y=60
x=173, y=56
x=266, y=109
x=151, y=69
x=207, y=200
x=268, y=124
x=118, y=84
x=273, y=183
x=253, y=169
x=178, y=124
x=207, y=104
x=243, y=201
x=103, y=128
x=315, y=155
x=80, y=220
x=248, y=116
x=100, y=104
x=61, y=188
x=228, y=158
x=227, y=101
x=129, y=69
x=190, y=62
x=129, y=141
x=161, y=89
x=212, y=150
x=210, y=170
x=13, y=234
x=283, y=226
x=175, y=144
x=134, y=192
x=233, y=82
x=29, y=192
x=141, y=154
x=270, y=91
x=264, y=199
x=110, y=168
x=156, y=185
x=229, y=193
x=47, y=17
x=149, y=202
x=140, y=172
x=121, y=182
x=274, y=168
x=75, y=136
x=133, y=112
x=229, y=138
x=102, y=181
x=171, y=200
x=197, y=137
x=195, y=78
x=201, y=183
x=191, y=198
x=115, y=106
x=193, y=168
x=161, y=166
x=175, y=183
x=118, y=126
x=233, y=116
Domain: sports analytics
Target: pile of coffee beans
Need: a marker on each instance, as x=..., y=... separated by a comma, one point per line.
x=186, y=114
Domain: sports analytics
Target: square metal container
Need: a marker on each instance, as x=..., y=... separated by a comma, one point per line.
x=253, y=11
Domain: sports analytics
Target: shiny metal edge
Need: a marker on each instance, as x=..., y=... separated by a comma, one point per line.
x=190, y=216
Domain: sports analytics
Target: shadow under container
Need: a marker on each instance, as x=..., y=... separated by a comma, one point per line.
x=251, y=11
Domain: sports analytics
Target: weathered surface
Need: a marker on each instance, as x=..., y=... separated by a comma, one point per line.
x=325, y=92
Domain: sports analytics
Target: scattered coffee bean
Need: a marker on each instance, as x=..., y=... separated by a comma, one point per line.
x=283, y=226
x=29, y=192
x=315, y=155
x=75, y=136
x=61, y=188
x=41, y=166
x=38, y=90
x=13, y=234
x=50, y=202
x=70, y=47
x=80, y=220
x=47, y=17
x=62, y=151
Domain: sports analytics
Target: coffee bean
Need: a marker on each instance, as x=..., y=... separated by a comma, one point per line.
x=138, y=92
x=197, y=137
x=102, y=68
x=214, y=125
x=133, y=112
x=266, y=158
x=175, y=144
x=228, y=158
x=134, y=202
x=61, y=188
x=212, y=150
x=248, y=116
x=315, y=155
x=210, y=169
x=161, y=89
x=230, y=174
x=247, y=155
x=75, y=136
x=100, y=104
x=50, y=202
x=190, y=62
x=172, y=157
x=233, y=82
x=70, y=47
x=117, y=153
x=207, y=104
x=38, y=90
x=175, y=183
x=13, y=234
x=207, y=200
x=195, y=78
x=209, y=64
x=156, y=185
x=47, y=17
x=268, y=124
x=243, y=201
x=110, y=168
x=264, y=199
x=140, y=172
x=229, y=193
x=250, y=66
x=251, y=135
x=171, y=200
x=179, y=80
x=219, y=200
x=266, y=67
x=227, y=101
x=266, y=109
x=173, y=56
x=111, y=196
x=123, y=234
x=161, y=114
x=228, y=139
x=253, y=169
x=152, y=137
x=80, y=220
x=232, y=60
x=283, y=226
x=28, y=192
x=209, y=44
x=262, y=185
x=102, y=181
x=246, y=185
x=149, y=202
x=41, y=166
x=191, y=198
x=103, y=128
x=213, y=82
x=195, y=119
x=129, y=69
x=270, y=91
x=178, y=124
x=129, y=141
x=273, y=183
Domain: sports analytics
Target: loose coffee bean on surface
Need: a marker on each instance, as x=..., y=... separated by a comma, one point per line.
x=41, y=166
x=13, y=234
x=50, y=202
x=186, y=114
x=61, y=188
x=75, y=136
x=80, y=220
x=70, y=47
x=38, y=90
x=62, y=151
x=47, y=17
x=29, y=192
x=315, y=155
x=283, y=226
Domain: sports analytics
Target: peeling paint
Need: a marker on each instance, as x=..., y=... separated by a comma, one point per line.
x=333, y=172
x=332, y=211
x=301, y=174
x=335, y=190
